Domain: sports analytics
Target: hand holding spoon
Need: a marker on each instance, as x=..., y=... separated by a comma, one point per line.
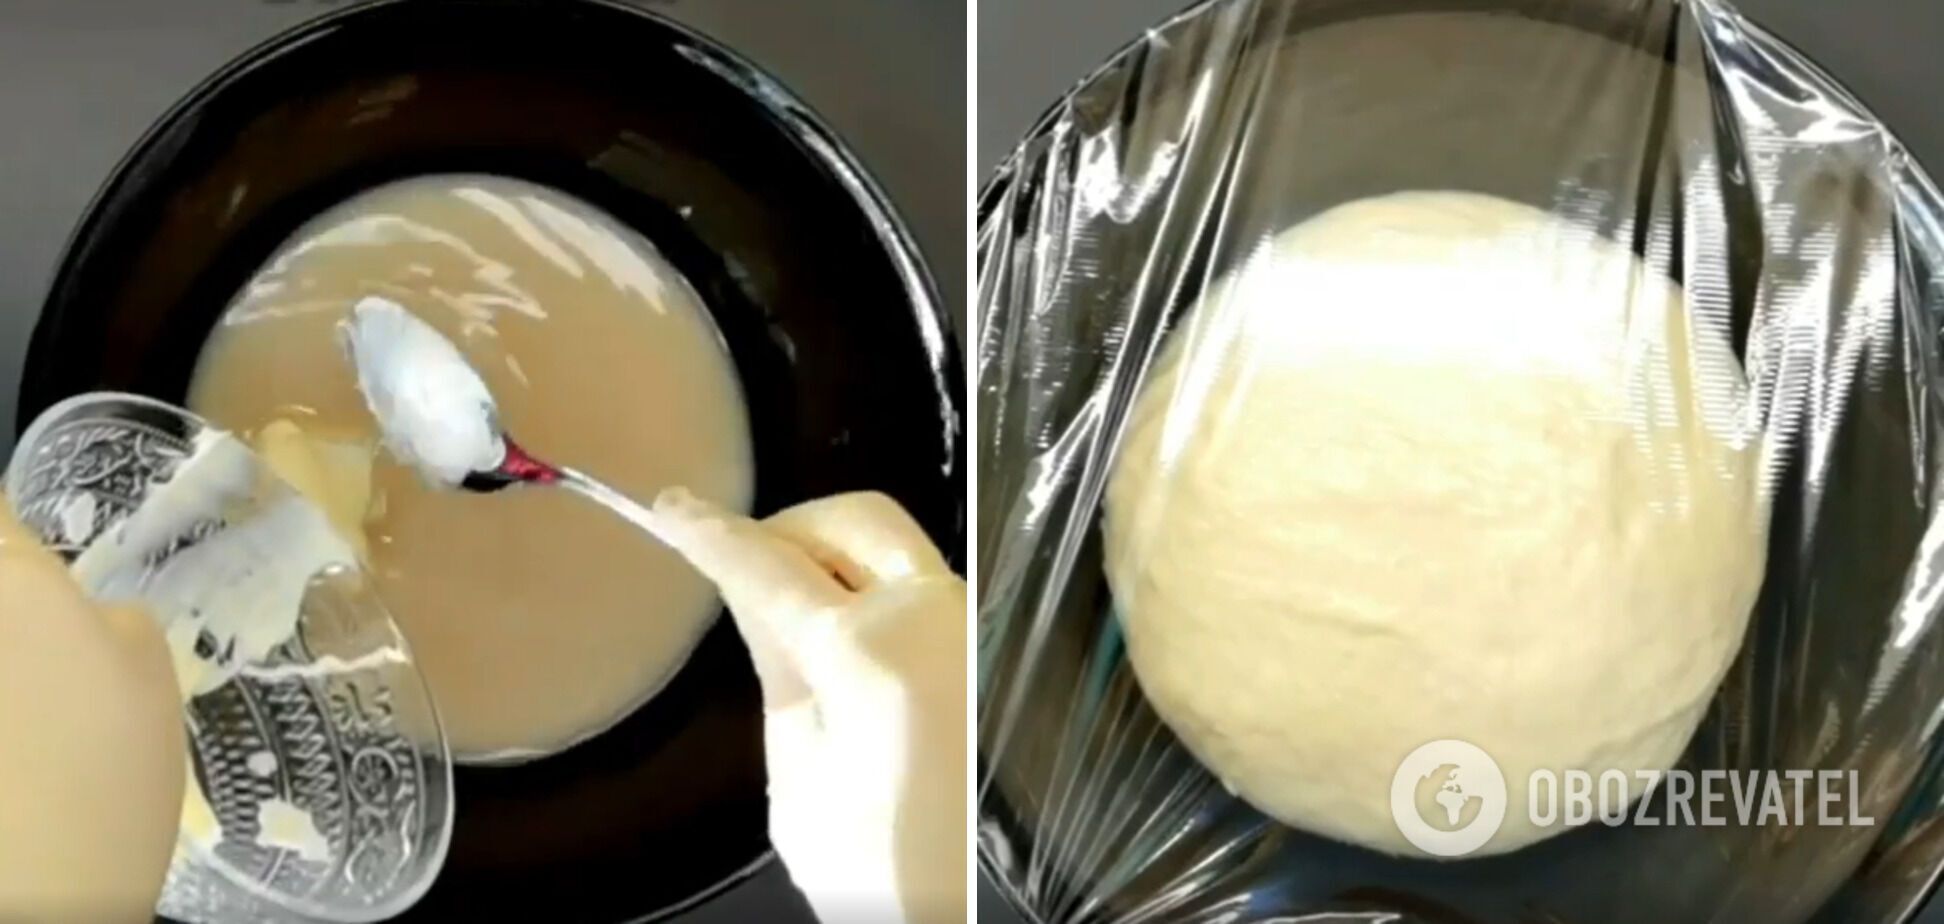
x=839, y=600
x=436, y=414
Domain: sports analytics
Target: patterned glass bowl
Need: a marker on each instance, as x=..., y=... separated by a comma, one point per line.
x=334, y=722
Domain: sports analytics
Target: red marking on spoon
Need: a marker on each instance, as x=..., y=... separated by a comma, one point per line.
x=516, y=467
x=520, y=466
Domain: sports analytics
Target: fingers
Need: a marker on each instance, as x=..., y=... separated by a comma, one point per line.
x=774, y=590
x=11, y=530
x=740, y=556
x=21, y=546
x=865, y=538
x=792, y=581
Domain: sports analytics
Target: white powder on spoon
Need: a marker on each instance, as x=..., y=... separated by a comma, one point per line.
x=433, y=410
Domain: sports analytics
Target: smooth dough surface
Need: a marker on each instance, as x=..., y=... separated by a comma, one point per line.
x=1430, y=466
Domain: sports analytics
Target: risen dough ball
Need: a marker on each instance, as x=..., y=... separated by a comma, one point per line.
x=1432, y=466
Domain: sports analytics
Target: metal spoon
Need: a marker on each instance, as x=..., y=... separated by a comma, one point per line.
x=436, y=414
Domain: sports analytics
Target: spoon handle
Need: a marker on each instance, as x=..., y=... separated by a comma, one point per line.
x=616, y=502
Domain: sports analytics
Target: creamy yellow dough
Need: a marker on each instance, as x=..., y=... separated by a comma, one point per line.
x=1435, y=466
x=91, y=777
x=537, y=618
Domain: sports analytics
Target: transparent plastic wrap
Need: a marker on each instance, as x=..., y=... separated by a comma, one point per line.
x=1560, y=374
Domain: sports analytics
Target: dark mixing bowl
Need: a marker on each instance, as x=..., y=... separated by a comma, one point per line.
x=852, y=378
x=1731, y=164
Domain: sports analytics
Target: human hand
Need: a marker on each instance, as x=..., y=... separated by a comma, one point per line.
x=91, y=771
x=857, y=627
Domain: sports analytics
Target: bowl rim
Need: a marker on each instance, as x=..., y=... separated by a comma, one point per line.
x=822, y=145
x=1005, y=168
x=1005, y=173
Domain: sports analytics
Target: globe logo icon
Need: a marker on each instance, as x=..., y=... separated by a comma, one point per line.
x=1447, y=784
x=1448, y=798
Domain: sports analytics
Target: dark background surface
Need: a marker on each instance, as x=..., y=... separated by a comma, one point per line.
x=1031, y=51
x=80, y=80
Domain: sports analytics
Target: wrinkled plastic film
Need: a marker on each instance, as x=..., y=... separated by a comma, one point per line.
x=1801, y=235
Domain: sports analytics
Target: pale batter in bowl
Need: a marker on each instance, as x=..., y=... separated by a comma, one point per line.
x=538, y=619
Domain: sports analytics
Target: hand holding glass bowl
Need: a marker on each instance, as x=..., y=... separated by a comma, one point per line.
x=849, y=373
x=312, y=738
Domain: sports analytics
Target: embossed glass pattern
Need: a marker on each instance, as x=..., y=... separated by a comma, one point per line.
x=335, y=722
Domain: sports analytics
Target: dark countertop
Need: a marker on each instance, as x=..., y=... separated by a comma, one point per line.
x=80, y=80
x=1031, y=51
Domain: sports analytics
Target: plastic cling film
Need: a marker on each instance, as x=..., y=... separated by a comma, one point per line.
x=1557, y=377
